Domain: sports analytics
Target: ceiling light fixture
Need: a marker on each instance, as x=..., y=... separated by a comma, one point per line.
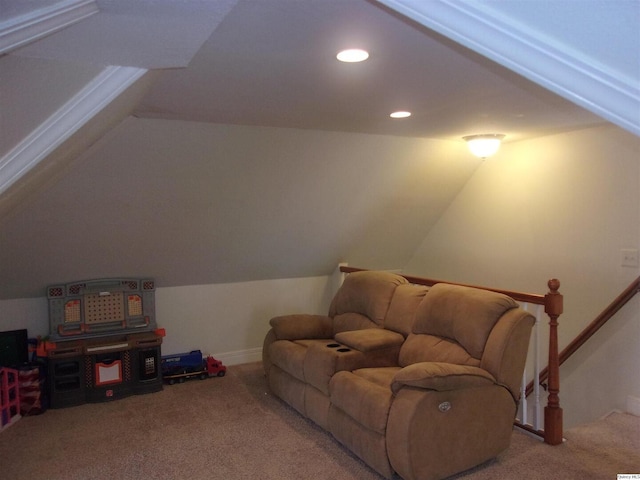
x=400, y=114
x=352, y=55
x=484, y=145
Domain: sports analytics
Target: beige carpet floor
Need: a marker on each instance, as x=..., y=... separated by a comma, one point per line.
x=233, y=428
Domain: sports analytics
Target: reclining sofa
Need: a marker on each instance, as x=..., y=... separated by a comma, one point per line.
x=414, y=380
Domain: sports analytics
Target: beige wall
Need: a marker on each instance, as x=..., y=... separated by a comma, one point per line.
x=228, y=321
x=559, y=206
x=231, y=320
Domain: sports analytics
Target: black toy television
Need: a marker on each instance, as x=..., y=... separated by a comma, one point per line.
x=14, y=348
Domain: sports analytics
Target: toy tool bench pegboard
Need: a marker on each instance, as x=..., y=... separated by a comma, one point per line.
x=104, y=341
x=101, y=307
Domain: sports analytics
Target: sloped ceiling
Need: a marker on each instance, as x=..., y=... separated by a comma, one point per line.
x=196, y=203
x=80, y=55
x=587, y=55
x=143, y=33
x=266, y=158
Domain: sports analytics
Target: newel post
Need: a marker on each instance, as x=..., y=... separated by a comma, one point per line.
x=553, y=412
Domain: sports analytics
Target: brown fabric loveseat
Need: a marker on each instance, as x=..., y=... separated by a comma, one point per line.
x=418, y=381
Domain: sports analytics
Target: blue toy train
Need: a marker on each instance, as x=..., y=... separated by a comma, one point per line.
x=181, y=366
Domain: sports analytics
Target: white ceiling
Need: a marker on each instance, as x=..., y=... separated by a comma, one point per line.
x=272, y=63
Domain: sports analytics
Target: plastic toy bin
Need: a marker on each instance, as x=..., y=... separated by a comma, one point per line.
x=9, y=397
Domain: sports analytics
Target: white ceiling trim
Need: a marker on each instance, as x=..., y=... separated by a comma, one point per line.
x=68, y=119
x=18, y=31
x=529, y=53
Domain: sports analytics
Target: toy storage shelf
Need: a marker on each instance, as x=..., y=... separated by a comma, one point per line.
x=9, y=397
x=103, y=369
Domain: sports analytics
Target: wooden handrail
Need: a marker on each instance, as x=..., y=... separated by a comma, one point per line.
x=620, y=301
x=553, y=305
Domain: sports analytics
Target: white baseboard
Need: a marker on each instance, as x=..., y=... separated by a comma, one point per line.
x=240, y=356
x=633, y=405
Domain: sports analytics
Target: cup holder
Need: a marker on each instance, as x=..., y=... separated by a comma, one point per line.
x=333, y=345
x=344, y=350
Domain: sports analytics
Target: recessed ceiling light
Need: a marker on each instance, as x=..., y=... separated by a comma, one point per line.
x=352, y=55
x=400, y=114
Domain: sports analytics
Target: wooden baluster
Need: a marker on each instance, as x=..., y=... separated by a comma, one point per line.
x=553, y=412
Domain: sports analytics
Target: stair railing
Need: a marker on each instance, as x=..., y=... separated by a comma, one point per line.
x=588, y=332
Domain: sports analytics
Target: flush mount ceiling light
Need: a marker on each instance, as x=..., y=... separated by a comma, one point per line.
x=400, y=114
x=484, y=145
x=352, y=55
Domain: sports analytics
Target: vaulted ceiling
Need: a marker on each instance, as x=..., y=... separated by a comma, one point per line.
x=273, y=64
x=249, y=152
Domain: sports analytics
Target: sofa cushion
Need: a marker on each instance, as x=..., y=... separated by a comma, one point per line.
x=429, y=348
x=300, y=326
x=369, y=339
x=344, y=322
x=463, y=314
x=441, y=377
x=403, y=308
x=367, y=293
x=366, y=402
x=289, y=356
x=502, y=356
x=381, y=376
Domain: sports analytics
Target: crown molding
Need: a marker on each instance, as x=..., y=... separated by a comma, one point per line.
x=528, y=52
x=23, y=29
x=68, y=119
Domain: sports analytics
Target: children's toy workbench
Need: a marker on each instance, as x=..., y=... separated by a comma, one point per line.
x=104, y=343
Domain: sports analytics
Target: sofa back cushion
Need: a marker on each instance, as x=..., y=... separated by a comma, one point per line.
x=363, y=300
x=346, y=322
x=452, y=325
x=506, y=352
x=403, y=308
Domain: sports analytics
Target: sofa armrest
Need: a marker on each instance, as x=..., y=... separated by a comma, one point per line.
x=441, y=377
x=302, y=326
x=370, y=339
